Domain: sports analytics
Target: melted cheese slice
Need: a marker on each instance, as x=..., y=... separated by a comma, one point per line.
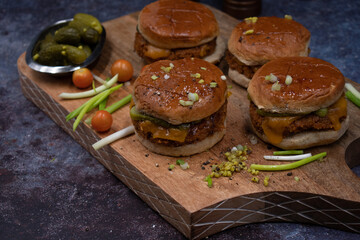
x=336, y=112
x=274, y=127
x=157, y=131
x=155, y=52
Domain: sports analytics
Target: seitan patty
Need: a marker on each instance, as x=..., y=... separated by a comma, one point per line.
x=201, y=51
x=309, y=122
x=235, y=64
x=198, y=130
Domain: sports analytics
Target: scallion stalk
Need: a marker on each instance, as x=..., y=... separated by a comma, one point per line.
x=113, y=137
x=102, y=104
x=288, y=152
x=90, y=93
x=349, y=95
x=122, y=102
x=289, y=166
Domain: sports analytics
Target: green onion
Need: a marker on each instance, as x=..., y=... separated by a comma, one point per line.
x=102, y=104
x=351, y=88
x=349, y=95
x=115, y=106
x=98, y=98
x=213, y=84
x=112, y=108
x=289, y=166
x=180, y=162
x=113, y=137
x=288, y=80
x=208, y=179
x=171, y=167
x=288, y=152
x=76, y=112
x=90, y=93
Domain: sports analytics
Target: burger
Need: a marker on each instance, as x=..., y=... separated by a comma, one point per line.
x=255, y=41
x=169, y=29
x=179, y=107
x=298, y=102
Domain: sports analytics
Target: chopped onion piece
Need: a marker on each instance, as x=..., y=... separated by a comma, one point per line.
x=287, y=158
x=113, y=137
x=90, y=93
x=288, y=80
x=276, y=86
x=193, y=97
x=184, y=166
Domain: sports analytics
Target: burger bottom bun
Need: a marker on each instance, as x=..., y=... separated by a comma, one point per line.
x=185, y=150
x=238, y=78
x=308, y=139
x=216, y=56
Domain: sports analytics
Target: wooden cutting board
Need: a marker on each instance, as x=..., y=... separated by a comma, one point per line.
x=327, y=194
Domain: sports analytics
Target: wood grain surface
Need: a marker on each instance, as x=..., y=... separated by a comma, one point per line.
x=327, y=194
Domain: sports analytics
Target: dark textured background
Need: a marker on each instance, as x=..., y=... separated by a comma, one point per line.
x=51, y=188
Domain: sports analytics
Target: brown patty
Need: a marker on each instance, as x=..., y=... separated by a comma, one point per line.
x=235, y=64
x=198, y=130
x=201, y=51
x=309, y=122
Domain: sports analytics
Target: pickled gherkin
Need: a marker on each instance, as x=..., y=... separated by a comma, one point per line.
x=71, y=44
x=67, y=35
x=47, y=41
x=89, y=20
x=86, y=49
x=88, y=34
x=74, y=55
x=51, y=55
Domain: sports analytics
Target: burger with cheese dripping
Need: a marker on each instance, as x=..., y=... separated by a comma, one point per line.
x=298, y=102
x=169, y=29
x=179, y=107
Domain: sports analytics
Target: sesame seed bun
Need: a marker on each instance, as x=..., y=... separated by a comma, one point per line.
x=177, y=24
x=315, y=84
x=158, y=93
x=272, y=38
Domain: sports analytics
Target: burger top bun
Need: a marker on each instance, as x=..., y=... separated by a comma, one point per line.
x=177, y=24
x=315, y=84
x=272, y=38
x=162, y=87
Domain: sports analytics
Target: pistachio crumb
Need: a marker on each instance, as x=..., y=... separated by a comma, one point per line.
x=255, y=179
x=154, y=77
x=201, y=81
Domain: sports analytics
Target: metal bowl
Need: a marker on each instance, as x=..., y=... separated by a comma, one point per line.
x=60, y=70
